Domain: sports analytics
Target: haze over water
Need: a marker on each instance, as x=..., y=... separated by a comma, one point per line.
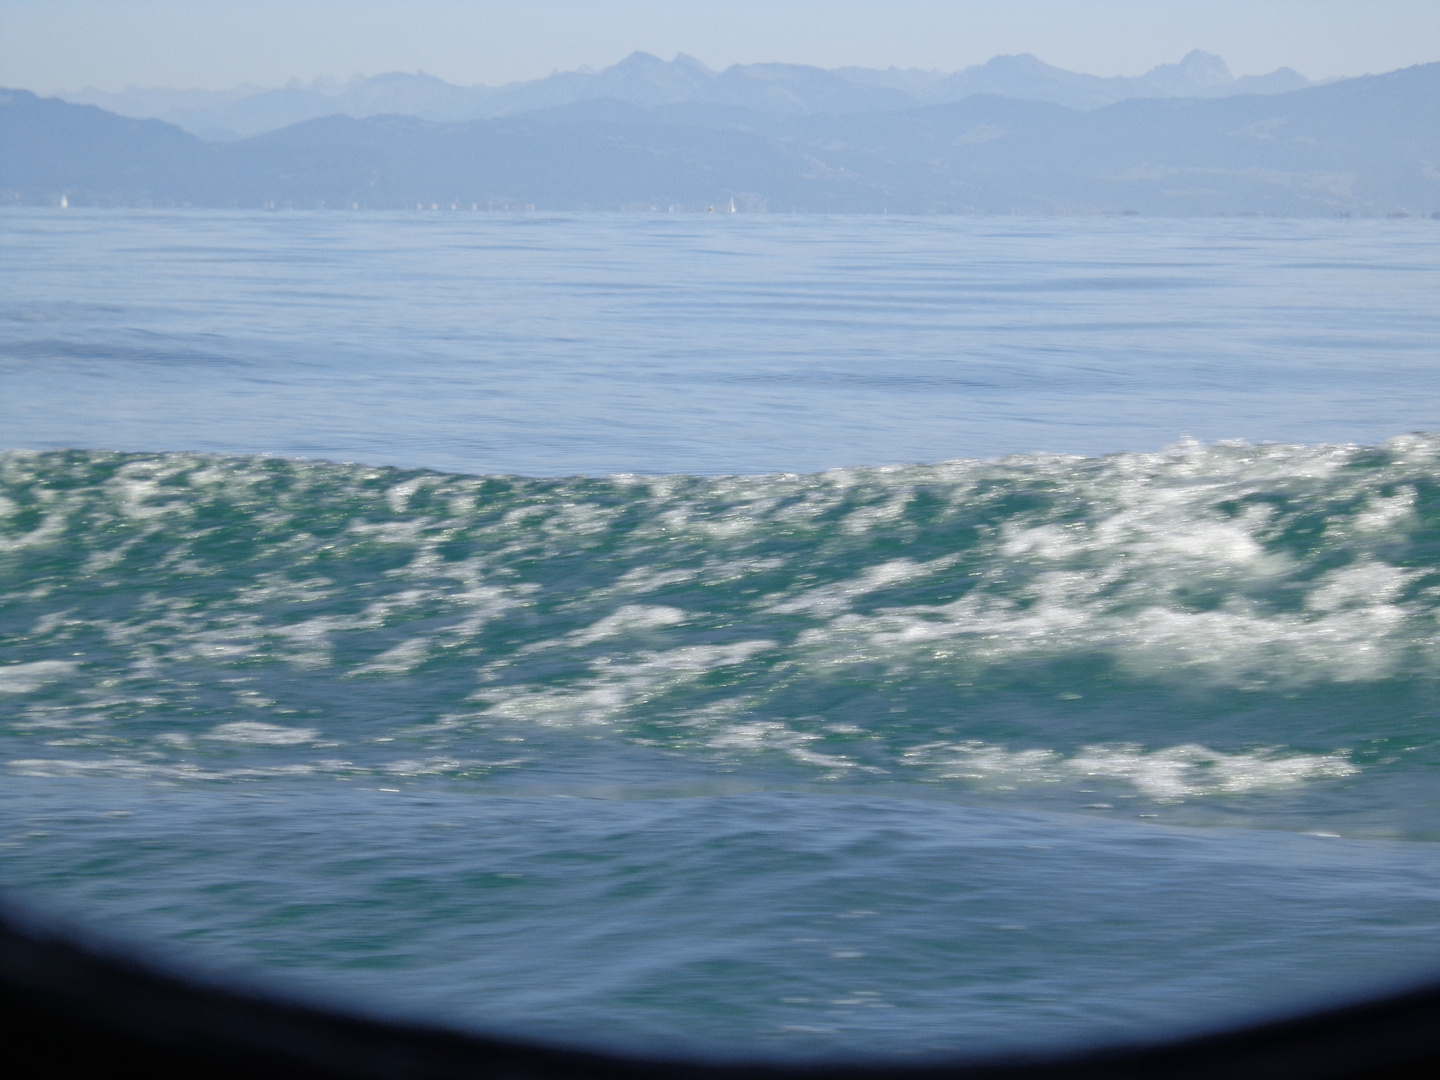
x=338, y=654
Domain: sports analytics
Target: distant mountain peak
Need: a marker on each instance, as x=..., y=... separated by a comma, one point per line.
x=1028, y=63
x=1199, y=59
x=401, y=78
x=646, y=81
x=776, y=136
x=638, y=60
x=1197, y=72
x=685, y=60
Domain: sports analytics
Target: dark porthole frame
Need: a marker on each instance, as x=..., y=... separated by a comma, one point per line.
x=72, y=1008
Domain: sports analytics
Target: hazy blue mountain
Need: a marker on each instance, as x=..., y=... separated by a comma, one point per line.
x=1368, y=146
x=1280, y=81
x=1202, y=74
x=49, y=146
x=224, y=116
x=1365, y=146
x=1198, y=74
x=642, y=79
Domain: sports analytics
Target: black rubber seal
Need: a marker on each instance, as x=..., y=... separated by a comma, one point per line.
x=72, y=1008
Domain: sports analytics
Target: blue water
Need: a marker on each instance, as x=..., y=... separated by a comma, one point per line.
x=553, y=345
x=627, y=631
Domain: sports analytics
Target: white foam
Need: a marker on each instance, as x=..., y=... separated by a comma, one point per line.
x=1384, y=513
x=1165, y=564
x=829, y=600
x=628, y=619
x=51, y=530
x=134, y=769
x=769, y=735
x=1191, y=769
x=1166, y=774
x=615, y=685
x=256, y=733
x=1364, y=585
x=398, y=496
x=398, y=659
x=27, y=678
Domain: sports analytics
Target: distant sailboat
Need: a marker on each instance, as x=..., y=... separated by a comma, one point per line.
x=732, y=206
x=64, y=202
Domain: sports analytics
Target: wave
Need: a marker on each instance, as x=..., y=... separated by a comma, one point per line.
x=1224, y=622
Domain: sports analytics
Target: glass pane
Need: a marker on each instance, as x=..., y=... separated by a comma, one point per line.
x=533, y=623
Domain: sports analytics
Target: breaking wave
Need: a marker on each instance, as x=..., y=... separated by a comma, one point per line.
x=745, y=681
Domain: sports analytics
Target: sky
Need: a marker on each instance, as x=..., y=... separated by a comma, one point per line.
x=50, y=45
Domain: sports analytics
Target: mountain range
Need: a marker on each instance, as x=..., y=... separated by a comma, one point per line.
x=642, y=79
x=1368, y=145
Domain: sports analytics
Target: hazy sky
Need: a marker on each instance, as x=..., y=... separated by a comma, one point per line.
x=47, y=45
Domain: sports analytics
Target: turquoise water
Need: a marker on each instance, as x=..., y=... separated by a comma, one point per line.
x=869, y=760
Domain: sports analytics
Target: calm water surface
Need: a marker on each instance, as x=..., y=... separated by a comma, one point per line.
x=553, y=345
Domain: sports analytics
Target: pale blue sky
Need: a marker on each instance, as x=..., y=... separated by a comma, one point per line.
x=47, y=45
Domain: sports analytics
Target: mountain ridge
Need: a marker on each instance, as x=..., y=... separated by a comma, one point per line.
x=643, y=79
x=1366, y=146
